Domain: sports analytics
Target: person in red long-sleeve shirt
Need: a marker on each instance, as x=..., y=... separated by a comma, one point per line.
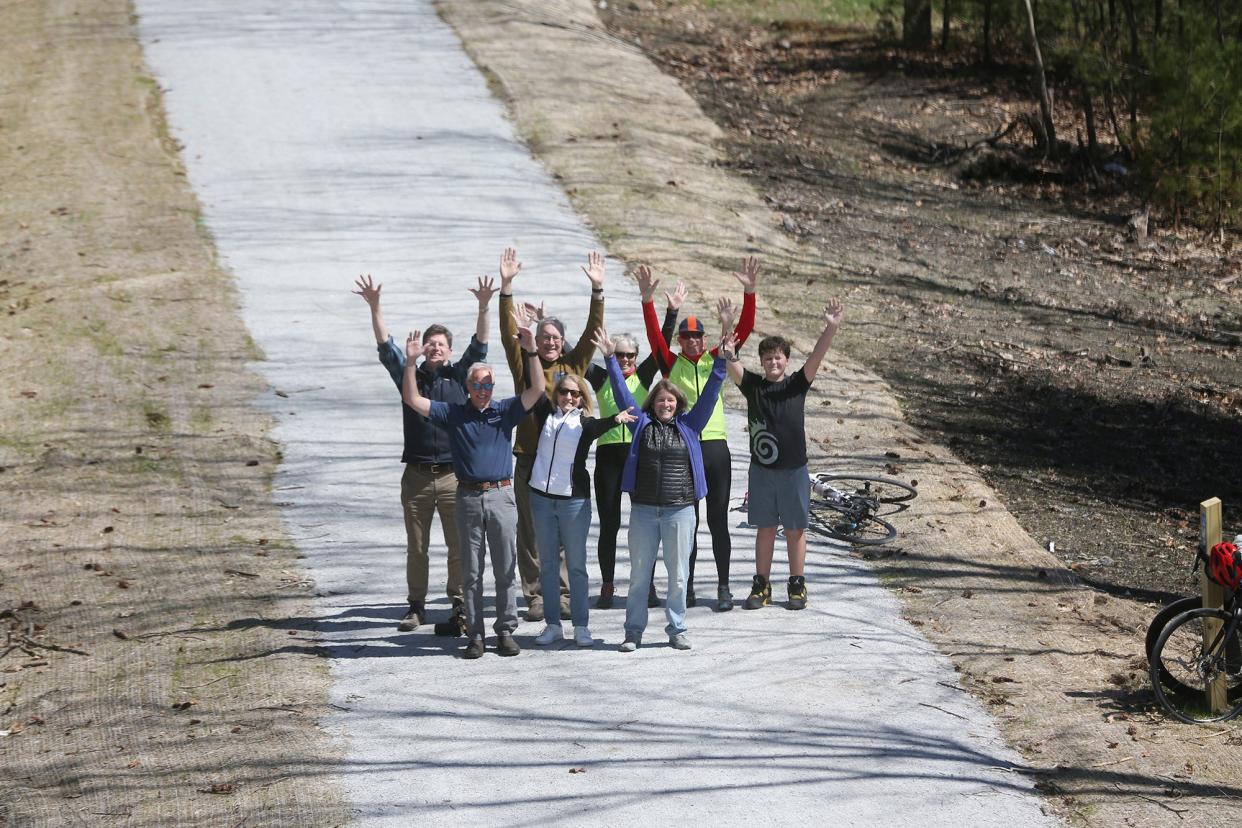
x=691, y=372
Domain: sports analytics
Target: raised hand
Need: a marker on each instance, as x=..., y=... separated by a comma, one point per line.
x=368, y=290
x=726, y=312
x=749, y=274
x=414, y=345
x=525, y=314
x=525, y=335
x=728, y=346
x=484, y=291
x=678, y=296
x=646, y=284
x=536, y=312
x=595, y=269
x=834, y=313
x=627, y=416
x=604, y=342
x=509, y=267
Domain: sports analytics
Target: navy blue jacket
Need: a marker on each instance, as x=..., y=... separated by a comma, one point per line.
x=424, y=443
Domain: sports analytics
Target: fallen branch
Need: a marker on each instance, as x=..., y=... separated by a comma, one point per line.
x=55, y=647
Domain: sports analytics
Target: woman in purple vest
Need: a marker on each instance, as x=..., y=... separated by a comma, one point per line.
x=664, y=477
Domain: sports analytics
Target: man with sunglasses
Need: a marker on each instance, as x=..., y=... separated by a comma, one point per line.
x=554, y=362
x=691, y=373
x=428, y=483
x=480, y=431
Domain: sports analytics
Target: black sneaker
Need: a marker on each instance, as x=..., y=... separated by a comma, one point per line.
x=506, y=646
x=760, y=593
x=455, y=627
x=797, y=592
x=474, y=649
x=653, y=600
x=412, y=618
x=605, y=596
x=724, y=599
x=691, y=600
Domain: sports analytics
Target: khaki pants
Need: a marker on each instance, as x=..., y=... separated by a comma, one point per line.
x=527, y=548
x=422, y=493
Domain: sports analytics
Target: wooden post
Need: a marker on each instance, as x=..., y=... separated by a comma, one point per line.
x=1213, y=596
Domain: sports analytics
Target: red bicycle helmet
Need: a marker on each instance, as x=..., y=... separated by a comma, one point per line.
x=1224, y=565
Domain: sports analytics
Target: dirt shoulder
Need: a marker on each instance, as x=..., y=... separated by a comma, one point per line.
x=139, y=680
x=1059, y=664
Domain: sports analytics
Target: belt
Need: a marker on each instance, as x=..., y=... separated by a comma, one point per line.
x=433, y=468
x=485, y=485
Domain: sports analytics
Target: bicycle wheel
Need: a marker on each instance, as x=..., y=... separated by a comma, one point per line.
x=867, y=530
x=1195, y=666
x=879, y=489
x=1167, y=613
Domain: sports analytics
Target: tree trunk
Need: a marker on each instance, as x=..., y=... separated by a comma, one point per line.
x=916, y=28
x=1088, y=111
x=1041, y=80
x=946, y=13
x=987, y=32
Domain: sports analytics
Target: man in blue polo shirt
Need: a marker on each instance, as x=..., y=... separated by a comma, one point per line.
x=481, y=434
x=428, y=484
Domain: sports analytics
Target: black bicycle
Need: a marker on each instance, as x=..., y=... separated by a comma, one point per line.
x=1197, y=650
x=852, y=507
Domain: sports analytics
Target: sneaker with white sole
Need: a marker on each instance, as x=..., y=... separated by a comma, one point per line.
x=679, y=641
x=551, y=634
x=632, y=640
x=583, y=637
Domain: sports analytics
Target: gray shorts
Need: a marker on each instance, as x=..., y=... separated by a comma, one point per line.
x=779, y=497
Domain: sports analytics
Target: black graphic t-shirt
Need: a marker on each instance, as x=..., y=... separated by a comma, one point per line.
x=775, y=412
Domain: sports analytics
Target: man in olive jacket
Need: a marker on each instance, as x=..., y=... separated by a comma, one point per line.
x=550, y=345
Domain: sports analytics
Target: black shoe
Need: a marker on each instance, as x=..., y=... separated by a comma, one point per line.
x=506, y=646
x=691, y=600
x=604, y=601
x=797, y=593
x=760, y=593
x=474, y=649
x=653, y=600
x=412, y=618
x=724, y=599
x=455, y=627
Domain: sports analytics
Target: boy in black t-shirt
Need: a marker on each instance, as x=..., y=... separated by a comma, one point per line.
x=779, y=487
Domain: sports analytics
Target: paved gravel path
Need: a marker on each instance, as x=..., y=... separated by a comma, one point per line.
x=327, y=139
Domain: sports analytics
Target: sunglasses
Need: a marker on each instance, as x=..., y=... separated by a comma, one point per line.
x=626, y=354
x=569, y=392
x=691, y=335
x=482, y=386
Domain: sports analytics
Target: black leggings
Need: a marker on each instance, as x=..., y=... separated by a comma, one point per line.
x=609, y=463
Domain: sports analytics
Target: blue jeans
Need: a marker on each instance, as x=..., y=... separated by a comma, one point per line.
x=562, y=522
x=649, y=527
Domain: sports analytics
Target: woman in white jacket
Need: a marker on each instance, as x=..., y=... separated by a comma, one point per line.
x=560, y=502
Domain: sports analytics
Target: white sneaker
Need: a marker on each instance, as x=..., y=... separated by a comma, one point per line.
x=583, y=637
x=551, y=634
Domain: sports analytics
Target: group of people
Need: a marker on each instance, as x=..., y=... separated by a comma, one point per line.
x=526, y=502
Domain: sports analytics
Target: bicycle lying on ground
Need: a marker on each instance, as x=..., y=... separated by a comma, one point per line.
x=1196, y=651
x=851, y=507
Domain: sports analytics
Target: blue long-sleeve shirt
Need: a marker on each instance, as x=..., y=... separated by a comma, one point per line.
x=424, y=443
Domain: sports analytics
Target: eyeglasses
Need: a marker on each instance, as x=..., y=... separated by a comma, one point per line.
x=550, y=338
x=482, y=386
x=626, y=354
x=691, y=335
x=572, y=392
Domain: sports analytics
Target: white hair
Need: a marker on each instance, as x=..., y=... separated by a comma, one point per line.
x=625, y=339
x=480, y=368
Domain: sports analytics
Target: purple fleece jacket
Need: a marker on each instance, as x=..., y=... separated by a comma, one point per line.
x=690, y=423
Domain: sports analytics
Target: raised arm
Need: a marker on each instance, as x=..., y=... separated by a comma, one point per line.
x=509, y=269
x=728, y=343
x=749, y=277
x=409, y=389
x=538, y=381
x=580, y=357
x=655, y=337
x=484, y=294
x=834, y=312
x=370, y=292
